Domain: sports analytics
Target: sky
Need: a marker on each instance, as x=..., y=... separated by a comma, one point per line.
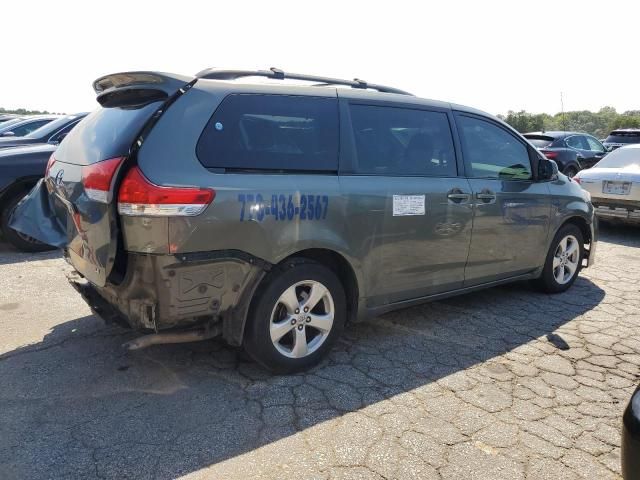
x=492, y=55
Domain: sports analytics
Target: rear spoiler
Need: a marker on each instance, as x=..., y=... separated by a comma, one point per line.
x=137, y=88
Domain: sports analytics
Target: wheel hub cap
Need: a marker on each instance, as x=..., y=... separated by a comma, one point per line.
x=302, y=319
x=566, y=259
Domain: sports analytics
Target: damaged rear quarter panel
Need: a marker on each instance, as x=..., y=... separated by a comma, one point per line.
x=166, y=291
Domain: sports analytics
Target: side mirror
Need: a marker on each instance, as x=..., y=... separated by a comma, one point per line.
x=547, y=169
x=7, y=134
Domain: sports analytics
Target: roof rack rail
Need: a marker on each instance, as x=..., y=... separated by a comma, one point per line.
x=277, y=74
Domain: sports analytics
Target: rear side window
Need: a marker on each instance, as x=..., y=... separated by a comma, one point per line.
x=272, y=132
x=402, y=141
x=492, y=152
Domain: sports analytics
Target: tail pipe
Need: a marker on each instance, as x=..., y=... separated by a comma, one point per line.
x=173, y=337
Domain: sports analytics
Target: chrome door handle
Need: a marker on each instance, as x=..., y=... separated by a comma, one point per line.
x=458, y=196
x=486, y=196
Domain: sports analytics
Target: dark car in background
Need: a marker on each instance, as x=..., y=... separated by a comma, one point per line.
x=20, y=170
x=572, y=151
x=631, y=439
x=20, y=127
x=621, y=137
x=53, y=132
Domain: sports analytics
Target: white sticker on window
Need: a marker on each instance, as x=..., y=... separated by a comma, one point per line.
x=404, y=205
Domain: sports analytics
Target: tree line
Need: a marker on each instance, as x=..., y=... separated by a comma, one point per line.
x=598, y=124
x=24, y=111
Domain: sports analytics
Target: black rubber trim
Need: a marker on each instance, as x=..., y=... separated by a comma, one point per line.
x=204, y=257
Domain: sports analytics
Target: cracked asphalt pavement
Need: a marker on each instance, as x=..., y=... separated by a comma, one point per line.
x=505, y=383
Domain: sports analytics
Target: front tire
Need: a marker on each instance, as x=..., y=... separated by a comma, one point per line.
x=564, y=260
x=18, y=240
x=295, y=317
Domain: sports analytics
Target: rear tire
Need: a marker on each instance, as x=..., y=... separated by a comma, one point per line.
x=571, y=171
x=563, y=262
x=280, y=334
x=18, y=240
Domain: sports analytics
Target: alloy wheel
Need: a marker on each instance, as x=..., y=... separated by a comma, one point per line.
x=566, y=259
x=302, y=319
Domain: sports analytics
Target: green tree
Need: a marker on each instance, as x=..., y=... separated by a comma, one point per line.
x=598, y=123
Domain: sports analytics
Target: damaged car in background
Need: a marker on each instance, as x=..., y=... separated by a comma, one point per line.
x=20, y=170
x=272, y=213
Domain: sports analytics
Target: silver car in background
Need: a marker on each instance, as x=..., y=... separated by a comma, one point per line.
x=614, y=184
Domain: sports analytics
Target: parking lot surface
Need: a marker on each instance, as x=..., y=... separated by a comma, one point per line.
x=505, y=383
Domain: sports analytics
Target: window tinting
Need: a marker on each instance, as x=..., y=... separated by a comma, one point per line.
x=577, y=141
x=401, y=141
x=493, y=152
x=272, y=132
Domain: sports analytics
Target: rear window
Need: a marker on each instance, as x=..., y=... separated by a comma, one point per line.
x=272, y=132
x=539, y=141
x=628, y=157
x=105, y=133
x=623, y=137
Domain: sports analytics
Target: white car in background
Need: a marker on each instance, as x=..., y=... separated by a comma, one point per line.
x=614, y=184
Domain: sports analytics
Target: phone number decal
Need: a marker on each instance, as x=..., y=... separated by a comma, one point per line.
x=283, y=207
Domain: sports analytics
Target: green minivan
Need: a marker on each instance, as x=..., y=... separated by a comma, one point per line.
x=272, y=213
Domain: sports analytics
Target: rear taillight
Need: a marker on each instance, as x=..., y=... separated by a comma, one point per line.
x=550, y=155
x=97, y=178
x=139, y=197
x=50, y=163
x=576, y=179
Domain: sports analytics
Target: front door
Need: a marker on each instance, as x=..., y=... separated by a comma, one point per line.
x=595, y=153
x=511, y=209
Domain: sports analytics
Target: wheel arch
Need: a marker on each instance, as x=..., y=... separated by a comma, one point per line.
x=19, y=185
x=582, y=224
x=343, y=270
x=236, y=323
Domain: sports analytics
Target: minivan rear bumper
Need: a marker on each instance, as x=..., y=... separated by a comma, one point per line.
x=162, y=292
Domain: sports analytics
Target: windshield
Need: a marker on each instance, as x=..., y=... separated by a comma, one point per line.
x=52, y=127
x=621, y=158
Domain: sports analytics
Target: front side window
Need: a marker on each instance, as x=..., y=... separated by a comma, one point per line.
x=595, y=145
x=272, y=132
x=492, y=152
x=402, y=141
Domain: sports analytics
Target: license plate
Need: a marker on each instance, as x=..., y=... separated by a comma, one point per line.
x=616, y=188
